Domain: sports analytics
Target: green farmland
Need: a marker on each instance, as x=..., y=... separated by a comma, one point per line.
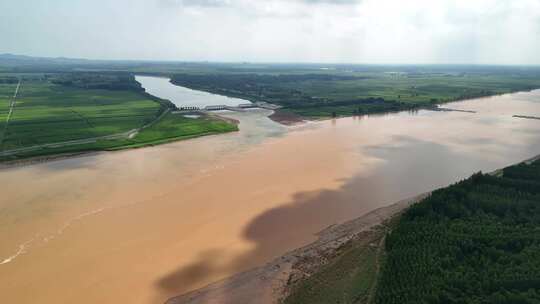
x=75, y=119
x=169, y=128
x=46, y=113
x=100, y=103
x=346, y=91
x=176, y=126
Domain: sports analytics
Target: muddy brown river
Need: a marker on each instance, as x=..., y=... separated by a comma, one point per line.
x=143, y=225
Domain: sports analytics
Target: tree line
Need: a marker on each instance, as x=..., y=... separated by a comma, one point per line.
x=477, y=241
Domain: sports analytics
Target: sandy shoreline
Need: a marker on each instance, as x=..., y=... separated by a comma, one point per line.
x=268, y=284
x=186, y=215
x=287, y=118
x=46, y=158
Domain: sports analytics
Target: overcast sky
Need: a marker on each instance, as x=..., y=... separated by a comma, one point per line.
x=340, y=31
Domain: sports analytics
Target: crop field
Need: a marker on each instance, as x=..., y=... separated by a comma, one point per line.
x=169, y=128
x=310, y=90
x=46, y=113
x=174, y=126
x=418, y=89
x=363, y=90
x=76, y=112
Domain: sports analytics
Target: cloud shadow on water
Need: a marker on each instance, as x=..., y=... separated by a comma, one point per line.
x=276, y=230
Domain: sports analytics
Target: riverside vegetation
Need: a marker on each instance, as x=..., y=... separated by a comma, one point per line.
x=476, y=241
x=66, y=107
x=354, y=90
x=315, y=90
x=64, y=99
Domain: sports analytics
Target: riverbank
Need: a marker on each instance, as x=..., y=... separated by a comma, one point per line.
x=125, y=117
x=264, y=190
x=475, y=239
x=346, y=93
x=286, y=118
x=168, y=128
x=127, y=140
x=274, y=282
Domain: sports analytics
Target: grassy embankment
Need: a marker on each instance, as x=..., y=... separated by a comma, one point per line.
x=344, y=92
x=47, y=110
x=348, y=277
x=476, y=241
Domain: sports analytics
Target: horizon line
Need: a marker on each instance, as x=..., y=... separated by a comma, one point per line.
x=268, y=62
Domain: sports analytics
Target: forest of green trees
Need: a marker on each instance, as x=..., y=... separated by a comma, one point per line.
x=477, y=241
x=288, y=90
x=116, y=81
x=8, y=79
x=345, y=92
x=107, y=81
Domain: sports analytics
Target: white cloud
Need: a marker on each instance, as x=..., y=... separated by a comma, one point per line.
x=367, y=31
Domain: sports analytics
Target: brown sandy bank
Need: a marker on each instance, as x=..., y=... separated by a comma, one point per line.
x=177, y=217
x=286, y=118
x=269, y=283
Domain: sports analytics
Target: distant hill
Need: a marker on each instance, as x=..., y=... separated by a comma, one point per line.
x=14, y=58
x=23, y=63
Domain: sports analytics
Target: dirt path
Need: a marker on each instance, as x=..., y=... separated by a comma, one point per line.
x=373, y=288
x=11, y=107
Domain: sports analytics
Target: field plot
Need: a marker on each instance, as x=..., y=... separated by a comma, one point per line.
x=49, y=113
x=170, y=127
x=6, y=93
x=356, y=90
x=176, y=126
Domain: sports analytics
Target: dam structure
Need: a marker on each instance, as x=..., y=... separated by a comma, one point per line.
x=238, y=108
